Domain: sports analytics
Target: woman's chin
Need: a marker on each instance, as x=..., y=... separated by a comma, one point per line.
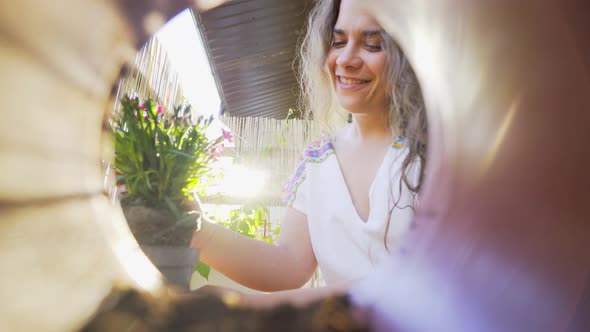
x=355, y=109
x=351, y=105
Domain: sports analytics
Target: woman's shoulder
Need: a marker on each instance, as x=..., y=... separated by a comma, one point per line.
x=318, y=150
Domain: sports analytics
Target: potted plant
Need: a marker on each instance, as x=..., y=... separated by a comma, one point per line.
x=161, y=158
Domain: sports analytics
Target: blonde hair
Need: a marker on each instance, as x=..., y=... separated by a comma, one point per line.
x=407, y=115
x=317, y=99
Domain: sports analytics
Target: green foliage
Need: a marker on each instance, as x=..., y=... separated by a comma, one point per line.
x=250, y=222
x=161, y=156
x=203, y=270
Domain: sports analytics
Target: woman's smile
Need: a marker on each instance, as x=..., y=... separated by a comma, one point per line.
x=349, y=83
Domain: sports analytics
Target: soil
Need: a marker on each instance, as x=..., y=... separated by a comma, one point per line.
x=203, y=312
x=159, y=227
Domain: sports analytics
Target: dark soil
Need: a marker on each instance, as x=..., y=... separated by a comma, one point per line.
x=159, y=227
x=202, y=312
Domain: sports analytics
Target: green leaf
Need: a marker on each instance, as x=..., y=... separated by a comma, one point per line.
x=259, y=215
x=245, y=229
x=203, y=270
x=184, y=154
x=172, y=207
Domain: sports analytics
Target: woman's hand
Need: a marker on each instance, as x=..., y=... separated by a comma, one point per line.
x=193, y=203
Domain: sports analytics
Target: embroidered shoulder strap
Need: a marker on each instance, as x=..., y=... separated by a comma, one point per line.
x=316, y=152
x=398, y=142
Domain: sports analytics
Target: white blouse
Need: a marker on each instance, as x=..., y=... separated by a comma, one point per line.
x=346, y=247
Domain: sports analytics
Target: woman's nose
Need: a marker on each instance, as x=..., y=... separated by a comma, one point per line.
x=349, y=57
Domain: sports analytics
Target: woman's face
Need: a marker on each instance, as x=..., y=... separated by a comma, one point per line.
x=357, y=61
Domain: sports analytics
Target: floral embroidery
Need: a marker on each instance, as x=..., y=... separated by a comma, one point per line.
x=316, y=152
x=399, y=142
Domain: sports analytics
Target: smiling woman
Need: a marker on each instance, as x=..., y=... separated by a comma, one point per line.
x=353, y=190
x=502, y=241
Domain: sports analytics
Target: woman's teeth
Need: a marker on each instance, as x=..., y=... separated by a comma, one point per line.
x=351, y=81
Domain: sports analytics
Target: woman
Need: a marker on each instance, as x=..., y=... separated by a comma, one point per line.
x=353, y=191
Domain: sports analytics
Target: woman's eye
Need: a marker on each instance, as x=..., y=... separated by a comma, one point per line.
x=374, y=42
x=338, y=43
x=373, y=47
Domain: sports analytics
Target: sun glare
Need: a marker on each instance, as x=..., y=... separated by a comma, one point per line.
x=240, y=182
x=189, y=58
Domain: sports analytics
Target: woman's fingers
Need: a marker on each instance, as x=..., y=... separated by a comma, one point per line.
x=193, y=203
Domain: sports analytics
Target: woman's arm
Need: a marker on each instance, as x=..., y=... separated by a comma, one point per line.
x=296, y=297
x=287, y=264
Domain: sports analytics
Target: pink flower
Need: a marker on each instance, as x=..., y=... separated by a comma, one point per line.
x=160, y=109
x=227, y=135
x=142, y=106
x=216, y=152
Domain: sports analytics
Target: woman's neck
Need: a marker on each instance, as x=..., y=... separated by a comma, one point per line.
x=370, y=127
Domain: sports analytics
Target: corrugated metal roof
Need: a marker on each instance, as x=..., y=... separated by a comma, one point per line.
x=251, y=46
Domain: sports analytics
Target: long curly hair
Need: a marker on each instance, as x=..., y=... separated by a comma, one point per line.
x=407, y=114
